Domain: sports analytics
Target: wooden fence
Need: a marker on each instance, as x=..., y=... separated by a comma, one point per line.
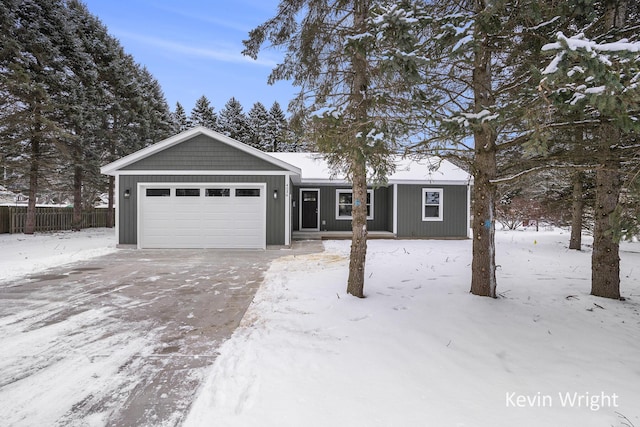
x=14, y=218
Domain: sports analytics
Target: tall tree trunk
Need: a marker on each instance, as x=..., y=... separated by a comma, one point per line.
x=605, y=260
x=577, y=197
x=357, y=259
x=483, y=264
x=76, y=223
x=34, y=170
x=577, y=208
x=615, y=13
x=359, y=85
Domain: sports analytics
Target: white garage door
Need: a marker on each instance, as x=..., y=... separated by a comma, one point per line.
x=218, y=215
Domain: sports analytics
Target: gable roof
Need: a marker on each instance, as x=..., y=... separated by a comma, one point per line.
x=114, y=167
x=308, y=168
x=429, y=170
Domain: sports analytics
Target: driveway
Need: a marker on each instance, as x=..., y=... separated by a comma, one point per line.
x=124, y=339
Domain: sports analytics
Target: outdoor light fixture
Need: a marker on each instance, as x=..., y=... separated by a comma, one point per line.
x=275, y=194
x=127, y=193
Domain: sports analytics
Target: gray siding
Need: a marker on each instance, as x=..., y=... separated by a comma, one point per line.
x=128, y=221
x=202, y=153
x=454, y=204
x=380, y=220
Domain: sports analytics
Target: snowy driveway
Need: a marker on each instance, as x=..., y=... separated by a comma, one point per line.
x=124, y=339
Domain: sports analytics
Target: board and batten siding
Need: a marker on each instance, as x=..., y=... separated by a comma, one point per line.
x=202, y=153
x=454, y=205
x=128, y=221
x=381, y=198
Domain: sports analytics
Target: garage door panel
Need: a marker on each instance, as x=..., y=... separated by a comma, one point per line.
x=214, y=219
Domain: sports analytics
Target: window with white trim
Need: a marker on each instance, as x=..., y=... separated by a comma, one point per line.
x=432, y=204
x=344, y=204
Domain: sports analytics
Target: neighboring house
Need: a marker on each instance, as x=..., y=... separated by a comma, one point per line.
x=201, y=189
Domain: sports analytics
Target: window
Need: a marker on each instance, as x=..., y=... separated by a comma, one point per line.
x=247, y=192
x=158, y=192
x=432, y=204
x=187, y=192
x=344, y=204
x=217, y=192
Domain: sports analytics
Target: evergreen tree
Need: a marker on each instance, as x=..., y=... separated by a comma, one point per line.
x=233, y=123
x=80, y=115
x=150, y=113
x=180, y=119
x=596, y=71
x=203, y=114
x=278, y=138
x=72, y=99
x=31, y=73
x=259, y=127
x=355, y=65
x=482, y=100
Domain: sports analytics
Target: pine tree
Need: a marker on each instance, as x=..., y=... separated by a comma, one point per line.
x=258, y=120
x=31, y=70
x=481, y=100
x=180, y=119
x=354, y=64
x=232, y=121
x=71, y=100
x=203, y=114
x=278, y=136
x=596, y=71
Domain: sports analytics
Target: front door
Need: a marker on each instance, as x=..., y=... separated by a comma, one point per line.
x=309, y=209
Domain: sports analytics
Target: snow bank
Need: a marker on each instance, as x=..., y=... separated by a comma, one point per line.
x=24, y=254
x=420, y=350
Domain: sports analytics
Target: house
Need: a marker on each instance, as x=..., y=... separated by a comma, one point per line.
x=201, y=189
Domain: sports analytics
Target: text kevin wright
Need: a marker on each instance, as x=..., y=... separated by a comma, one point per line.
x=593, y=401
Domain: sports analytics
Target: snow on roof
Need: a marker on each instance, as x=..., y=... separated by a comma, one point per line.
x=426, y=170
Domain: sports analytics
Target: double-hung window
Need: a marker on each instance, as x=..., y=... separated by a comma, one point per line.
x=345, y=202
x=432, y=204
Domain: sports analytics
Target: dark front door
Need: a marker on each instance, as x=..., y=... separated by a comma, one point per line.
x=309, y=209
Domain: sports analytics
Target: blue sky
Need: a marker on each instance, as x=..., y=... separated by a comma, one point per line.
x=192, y=47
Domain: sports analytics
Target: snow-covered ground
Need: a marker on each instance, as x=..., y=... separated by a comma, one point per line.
x=421, y=351
x=24, y=254
x=418, y=351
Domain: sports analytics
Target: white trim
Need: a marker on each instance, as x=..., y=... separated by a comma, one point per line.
x=116, y=200
x=173, y=185
x=395, y=209
x=201, y=172
x=112, y=168
x=440, y=204
x=428, y=182
x=350, y=190
x=469, y=233
x=339, y=182
x=317, y=190
x=287, y=210
x=139, y=187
